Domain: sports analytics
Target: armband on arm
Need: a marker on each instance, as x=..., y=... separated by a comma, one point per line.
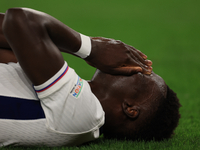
x=85, y=48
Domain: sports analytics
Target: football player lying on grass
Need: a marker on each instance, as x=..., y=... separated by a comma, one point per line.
x=44, y=102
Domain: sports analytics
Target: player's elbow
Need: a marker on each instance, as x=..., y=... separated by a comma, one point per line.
x=13, y=20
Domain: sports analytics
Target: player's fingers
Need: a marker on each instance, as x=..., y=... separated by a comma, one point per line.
x=136, y=60
x=148, y=62
x=141, y=54
x=146, y=69
x=126, y=70
x=136, y=57
x=138, y=51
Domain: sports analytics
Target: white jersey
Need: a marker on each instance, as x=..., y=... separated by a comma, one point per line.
x=61, y=112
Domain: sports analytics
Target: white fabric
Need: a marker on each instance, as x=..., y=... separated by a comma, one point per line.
x=70, y=119
x=85, y=48
x=14, y=82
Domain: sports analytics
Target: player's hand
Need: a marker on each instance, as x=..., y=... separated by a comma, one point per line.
x=115, y=57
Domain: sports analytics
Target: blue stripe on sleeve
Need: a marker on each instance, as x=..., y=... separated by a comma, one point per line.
x=20, y=109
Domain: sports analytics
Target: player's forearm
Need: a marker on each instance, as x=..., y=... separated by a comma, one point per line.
x=65, y=38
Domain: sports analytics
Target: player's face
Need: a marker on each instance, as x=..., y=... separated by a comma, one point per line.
x=138, y=89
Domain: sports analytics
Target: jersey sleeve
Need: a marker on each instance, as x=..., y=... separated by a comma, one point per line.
x=70, y=106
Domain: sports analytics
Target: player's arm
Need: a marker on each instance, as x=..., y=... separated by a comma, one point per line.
x=108, y=55
x=36, y=38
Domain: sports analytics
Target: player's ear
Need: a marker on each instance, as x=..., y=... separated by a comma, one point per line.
x=132, y=111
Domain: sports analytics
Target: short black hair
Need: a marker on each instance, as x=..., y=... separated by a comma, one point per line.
x=159, y=127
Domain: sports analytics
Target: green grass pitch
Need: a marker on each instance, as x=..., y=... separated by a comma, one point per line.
x=168, y=32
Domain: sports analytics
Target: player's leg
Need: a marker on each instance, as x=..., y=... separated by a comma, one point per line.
x=35, y=38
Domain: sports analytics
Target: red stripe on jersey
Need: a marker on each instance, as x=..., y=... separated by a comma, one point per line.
x=50, y=85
